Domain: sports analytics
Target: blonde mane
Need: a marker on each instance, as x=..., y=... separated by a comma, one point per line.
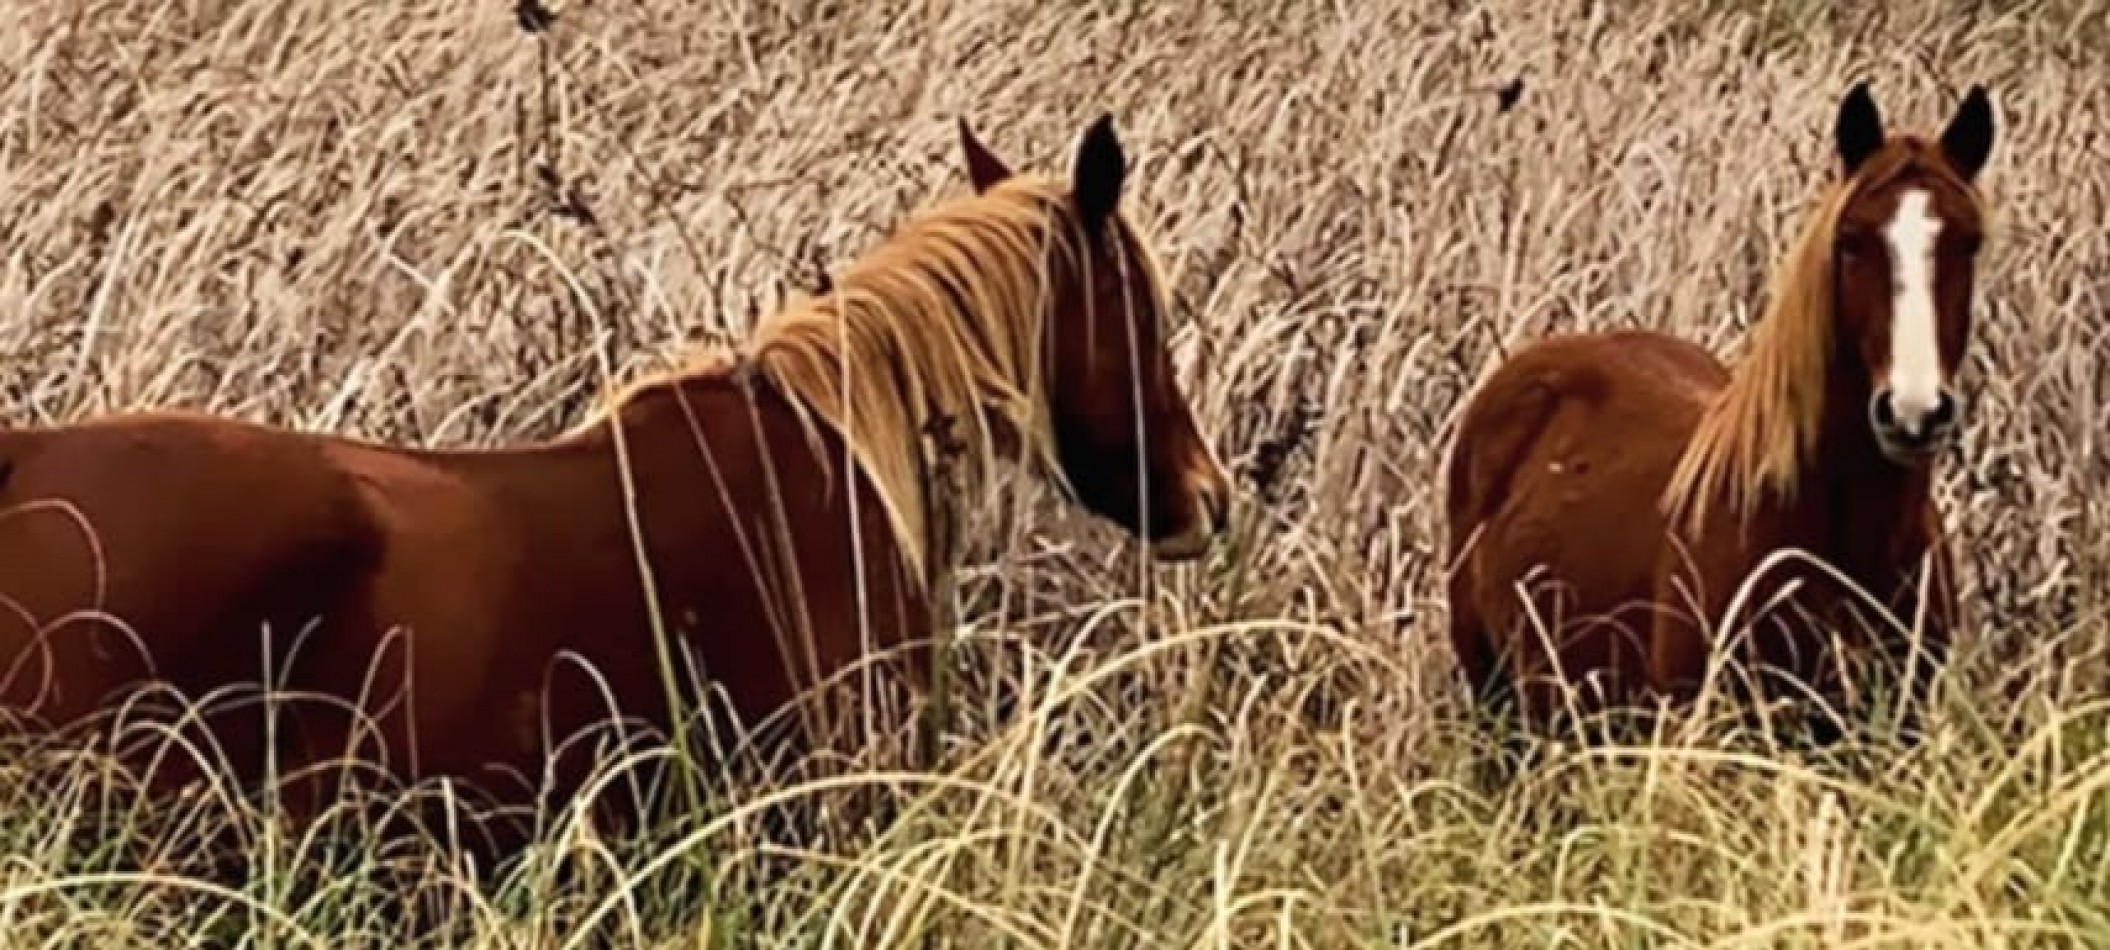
x=941, y=326
x=1763, y=426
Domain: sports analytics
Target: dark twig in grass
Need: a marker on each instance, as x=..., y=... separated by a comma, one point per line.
x=564, y=196
x=1507, y=96
x=1271, y=457
x=945, y=448
x=533, y=17
x=823, y=282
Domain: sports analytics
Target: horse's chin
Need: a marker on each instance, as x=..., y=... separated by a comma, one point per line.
x=1911, y=454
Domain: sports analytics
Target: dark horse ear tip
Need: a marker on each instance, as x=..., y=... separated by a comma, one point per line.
x=1100, y=152
x=1978, y=99
x=1968, y=139
x=1858, y=109
x=1860, y=98
x=1100, y=134
x=1101, y=165
x=1857, y=129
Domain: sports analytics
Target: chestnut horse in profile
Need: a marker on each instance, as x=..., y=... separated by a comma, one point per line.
x=1648, y=484
x=770, y=515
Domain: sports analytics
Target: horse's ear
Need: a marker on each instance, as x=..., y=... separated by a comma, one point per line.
x=984, y=169
x=1968, y=140
x=1097, y=176
x=1859, y=130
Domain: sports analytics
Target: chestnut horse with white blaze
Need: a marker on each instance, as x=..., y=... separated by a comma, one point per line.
x=1646, y=483
x=773, y=510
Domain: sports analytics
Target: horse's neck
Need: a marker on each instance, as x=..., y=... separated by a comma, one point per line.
x=1862, y=511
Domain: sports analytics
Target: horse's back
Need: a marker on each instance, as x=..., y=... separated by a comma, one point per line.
x=477, y=606
x=1560, y=458
x=1560, y=393
x=421, y=627
x=719, y=522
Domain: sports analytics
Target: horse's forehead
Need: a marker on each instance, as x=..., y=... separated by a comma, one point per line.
x=1916, y=167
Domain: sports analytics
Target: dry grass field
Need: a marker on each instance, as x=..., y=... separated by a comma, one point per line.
x=336, y=217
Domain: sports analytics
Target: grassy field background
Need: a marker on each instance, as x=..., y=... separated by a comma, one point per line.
x=330, y=216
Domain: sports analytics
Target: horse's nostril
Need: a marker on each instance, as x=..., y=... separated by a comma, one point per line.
x=1944, y=413
x=1880, y=410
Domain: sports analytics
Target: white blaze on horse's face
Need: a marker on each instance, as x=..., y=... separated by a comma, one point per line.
x=1914, y=411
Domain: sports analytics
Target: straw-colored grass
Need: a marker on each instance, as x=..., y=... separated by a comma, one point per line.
x=328, y=215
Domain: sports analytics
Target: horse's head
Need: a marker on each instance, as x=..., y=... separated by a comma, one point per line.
x=1907, y=242
x=1124, y=434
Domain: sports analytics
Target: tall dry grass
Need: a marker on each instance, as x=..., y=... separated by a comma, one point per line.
x=331, y=216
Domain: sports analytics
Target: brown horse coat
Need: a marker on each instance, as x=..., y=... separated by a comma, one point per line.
x=1635, y=484
x=449, y=587
x=772, y=511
